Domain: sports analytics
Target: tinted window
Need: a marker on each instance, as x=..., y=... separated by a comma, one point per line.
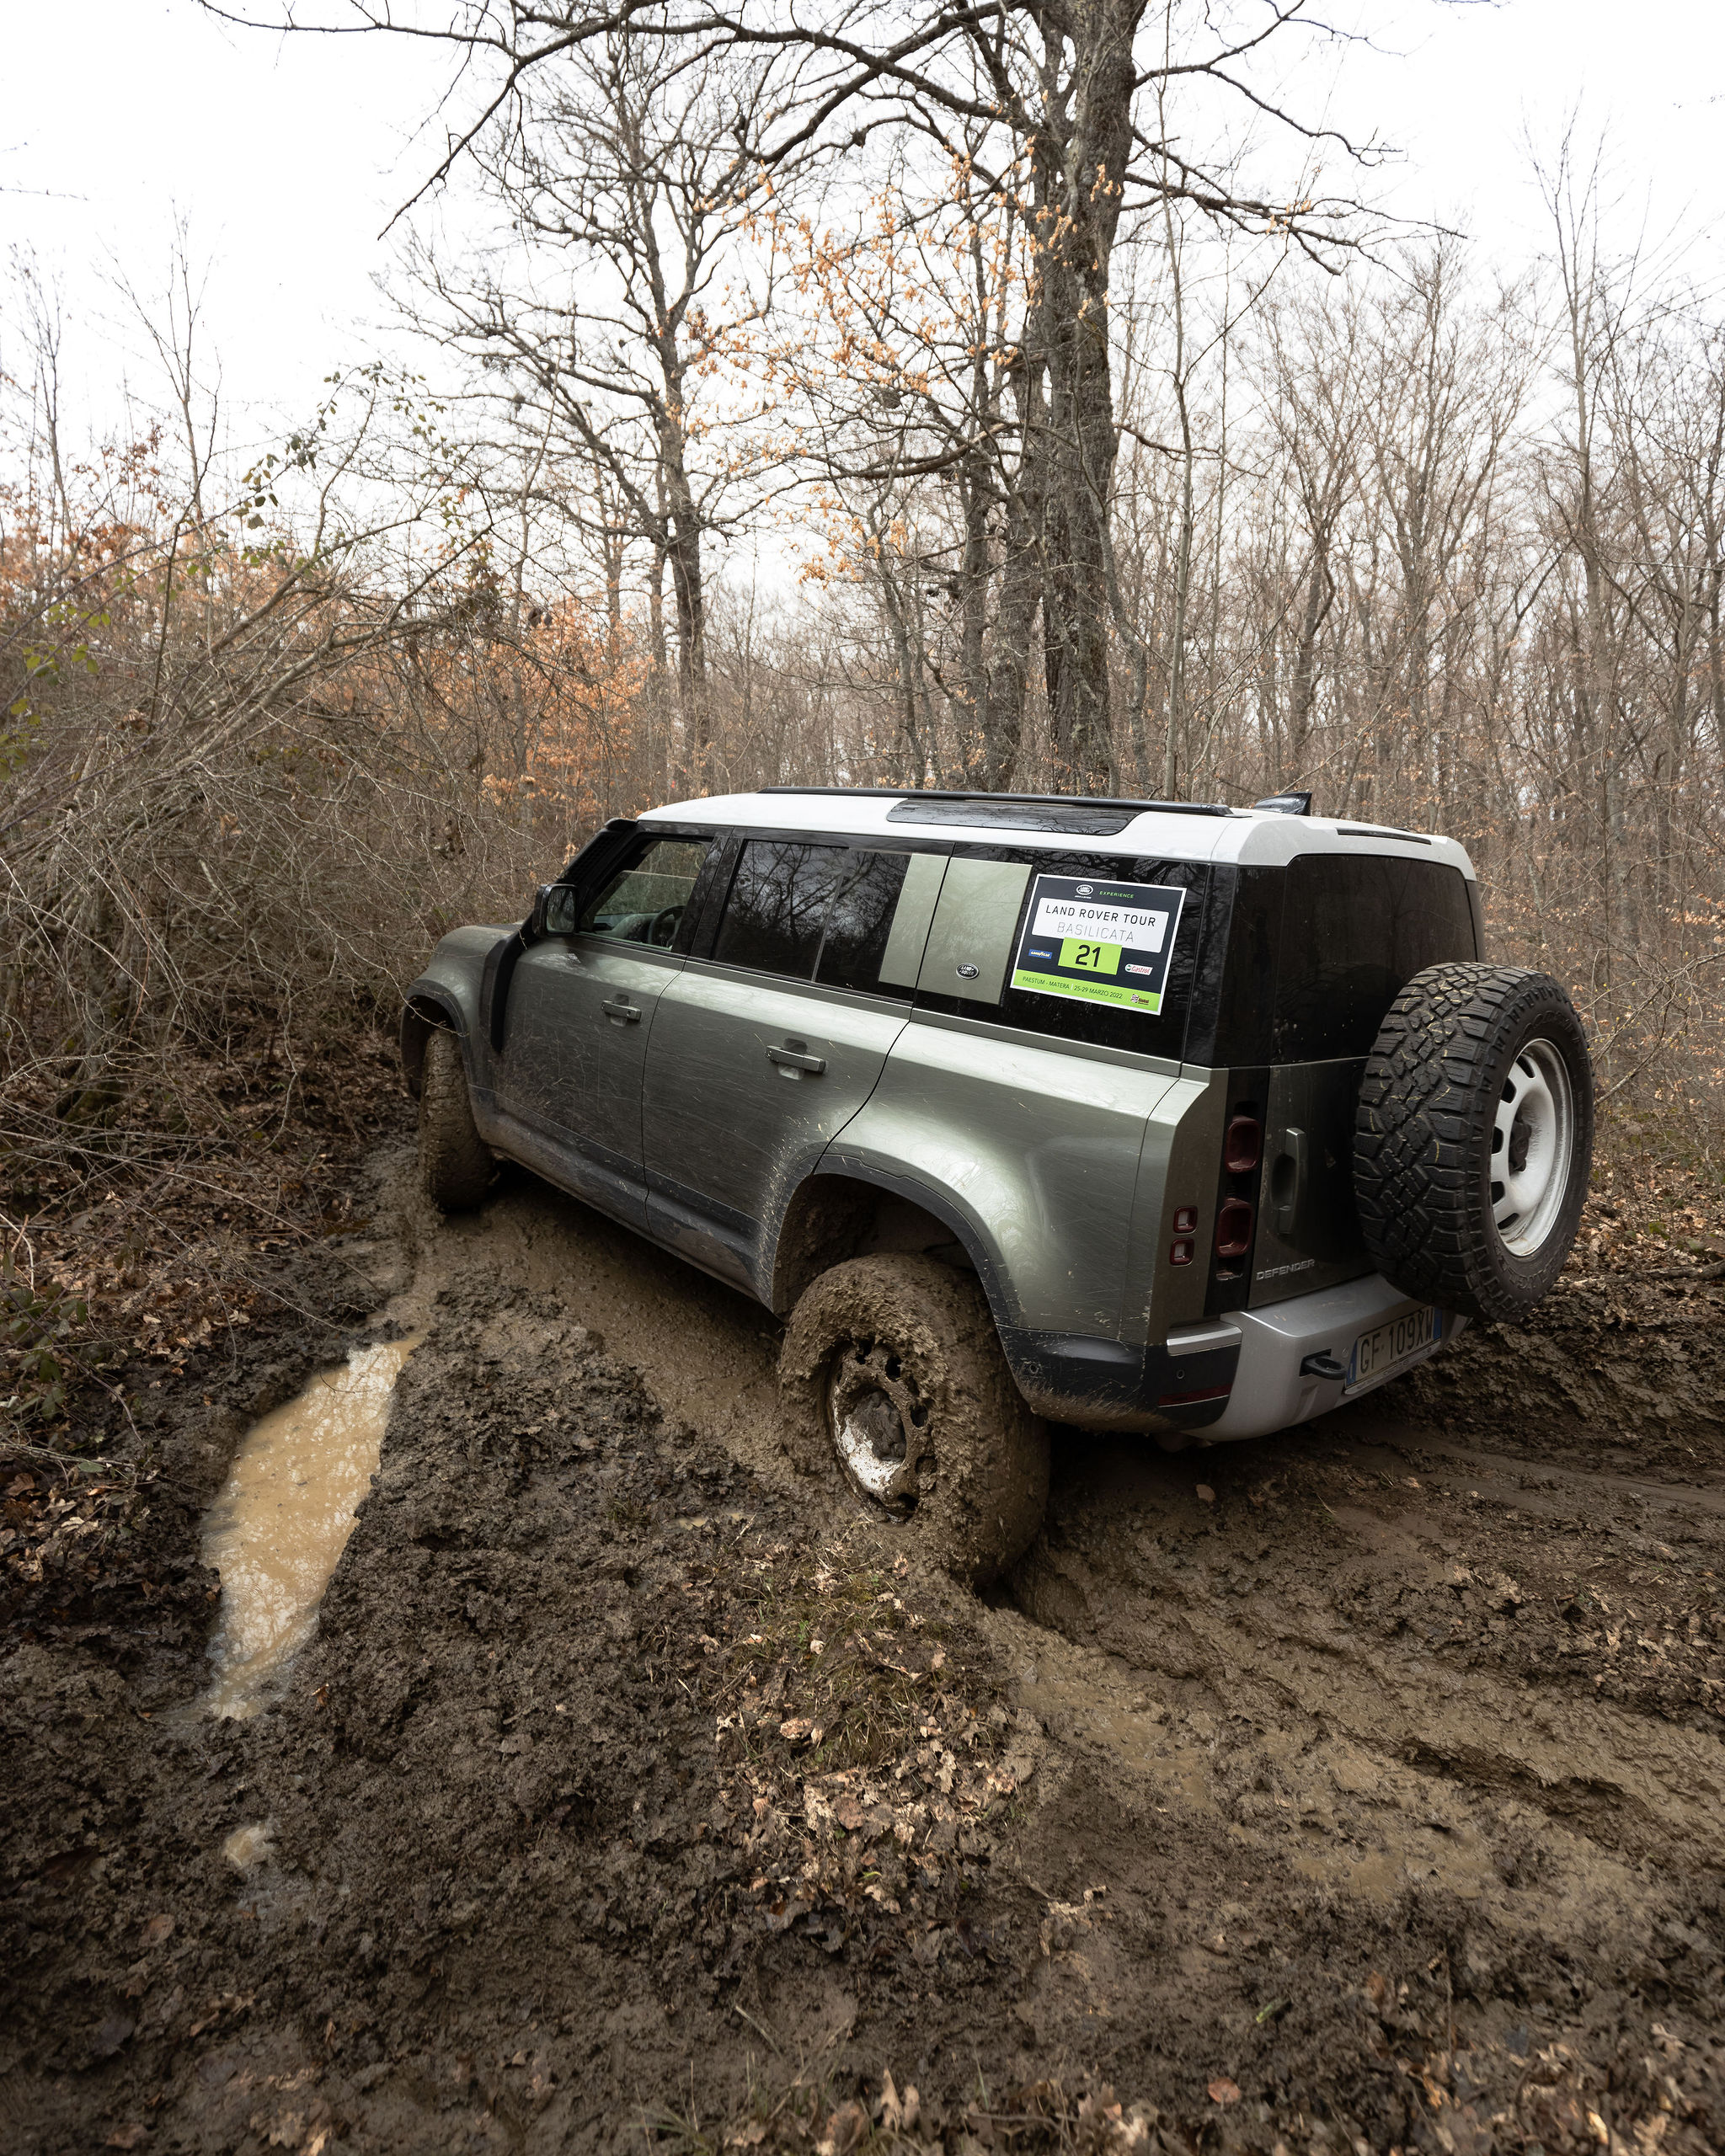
x=1354, y=933
x=859, y=920
x=1235, y=1000
x=805, y=909
x=645, y=902
x=777, y=907
x=1100, y=1024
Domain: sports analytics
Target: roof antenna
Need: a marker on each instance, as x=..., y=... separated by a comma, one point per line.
x=1286, y=804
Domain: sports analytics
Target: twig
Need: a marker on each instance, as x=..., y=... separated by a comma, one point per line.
x=759, y=2028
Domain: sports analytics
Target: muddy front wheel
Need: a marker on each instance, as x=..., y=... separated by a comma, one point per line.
x=455, y=1162
x=892, y=1384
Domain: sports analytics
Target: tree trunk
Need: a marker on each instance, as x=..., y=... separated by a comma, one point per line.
x=1080, y=141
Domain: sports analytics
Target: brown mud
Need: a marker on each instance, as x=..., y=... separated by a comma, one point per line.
x=1358, y=1789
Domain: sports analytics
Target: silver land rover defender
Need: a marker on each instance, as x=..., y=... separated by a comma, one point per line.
x=1134, y=1115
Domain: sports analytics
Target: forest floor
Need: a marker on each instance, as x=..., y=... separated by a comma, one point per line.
x=1355, y=1789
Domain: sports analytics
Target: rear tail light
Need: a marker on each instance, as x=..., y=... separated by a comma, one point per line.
x=1181, y=1251
x=1243, y=1146
x=1234, y=1227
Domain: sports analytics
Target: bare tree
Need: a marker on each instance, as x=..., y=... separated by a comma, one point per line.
x=1075, y=122
x=623, y=314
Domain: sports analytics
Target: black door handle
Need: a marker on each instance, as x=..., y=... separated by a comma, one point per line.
x=625, y=1014
x=793, y=1058
x=1287, y=1179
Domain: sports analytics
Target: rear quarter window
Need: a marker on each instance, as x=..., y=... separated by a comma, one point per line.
x=1097, y=1024
x=859, y=920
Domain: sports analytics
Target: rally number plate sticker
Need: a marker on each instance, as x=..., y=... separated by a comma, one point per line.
x=1100, y=942
x=1393, y=1346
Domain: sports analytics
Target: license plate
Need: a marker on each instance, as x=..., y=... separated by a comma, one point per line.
x=1389, y=1348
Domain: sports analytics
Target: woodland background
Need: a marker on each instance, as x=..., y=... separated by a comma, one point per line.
x=943, y=452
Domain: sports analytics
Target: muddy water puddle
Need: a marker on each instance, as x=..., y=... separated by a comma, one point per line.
x=283, y=1518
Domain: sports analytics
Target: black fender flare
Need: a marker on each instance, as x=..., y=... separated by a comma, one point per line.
x=424, y=1010
x=965, y=1230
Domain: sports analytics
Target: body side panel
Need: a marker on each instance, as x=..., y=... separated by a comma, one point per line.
x=1037, y=1150
x=1177, y=1168
x=736, y=1114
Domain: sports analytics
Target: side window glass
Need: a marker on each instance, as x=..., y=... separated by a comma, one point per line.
x=861, y=920
x=645, y=902
x=777, y=908
x=1119, y=1018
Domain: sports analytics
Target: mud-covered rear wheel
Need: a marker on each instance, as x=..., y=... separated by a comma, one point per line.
x=1474, y=1138
x=455, y=1162
x=892, y=1384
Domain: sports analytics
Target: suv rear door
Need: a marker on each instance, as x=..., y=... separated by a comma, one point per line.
x=1317, y=952
x=761, y=1054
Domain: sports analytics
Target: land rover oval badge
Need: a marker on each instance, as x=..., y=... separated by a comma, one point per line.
x=968, y=972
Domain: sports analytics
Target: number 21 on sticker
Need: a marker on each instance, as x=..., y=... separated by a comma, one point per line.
x=1090, y=958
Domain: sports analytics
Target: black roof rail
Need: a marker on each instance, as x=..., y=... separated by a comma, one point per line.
x=1039, y=800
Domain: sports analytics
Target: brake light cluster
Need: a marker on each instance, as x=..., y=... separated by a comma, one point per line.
x=1243, y=1146
x=1242, y=1149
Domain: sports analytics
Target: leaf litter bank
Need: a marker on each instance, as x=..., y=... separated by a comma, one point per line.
x=627, y=1797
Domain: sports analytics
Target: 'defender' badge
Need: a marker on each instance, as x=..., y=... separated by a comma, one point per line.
x=1103, y=943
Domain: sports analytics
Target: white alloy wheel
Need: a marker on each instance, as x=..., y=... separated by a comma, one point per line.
x=880, y=1427
x=1533, y=1142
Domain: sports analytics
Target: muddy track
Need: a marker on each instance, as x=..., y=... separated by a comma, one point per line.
x=1359, y=1788
x=1406, y=1592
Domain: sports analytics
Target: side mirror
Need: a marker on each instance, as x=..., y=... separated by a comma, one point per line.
x=535, y=923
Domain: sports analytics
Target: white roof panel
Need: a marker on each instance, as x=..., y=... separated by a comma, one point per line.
x=1246, y=835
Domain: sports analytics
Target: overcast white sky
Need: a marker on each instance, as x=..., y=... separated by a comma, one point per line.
x=287, y=156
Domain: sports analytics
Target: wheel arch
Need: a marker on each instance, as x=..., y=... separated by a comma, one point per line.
x=849, y=1208
x=425, y=1011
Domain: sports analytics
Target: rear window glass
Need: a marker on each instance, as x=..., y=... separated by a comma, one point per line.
x=1353, y=933
x=860, y=918
x=1067, y=1016
x=777, y=910
x=795, y=907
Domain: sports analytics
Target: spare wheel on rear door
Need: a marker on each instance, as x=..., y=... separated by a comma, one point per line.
x=1474, y=1138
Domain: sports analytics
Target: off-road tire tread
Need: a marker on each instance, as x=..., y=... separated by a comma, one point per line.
x=992, y=1449
x=455, y=1166
x=1423, y=1135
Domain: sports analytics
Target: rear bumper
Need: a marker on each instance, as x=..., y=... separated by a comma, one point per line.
x=1105, y=1384
x=1237, y=1376
x=1270, y=1392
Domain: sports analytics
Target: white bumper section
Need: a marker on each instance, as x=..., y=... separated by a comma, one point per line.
x=1269, y=1392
